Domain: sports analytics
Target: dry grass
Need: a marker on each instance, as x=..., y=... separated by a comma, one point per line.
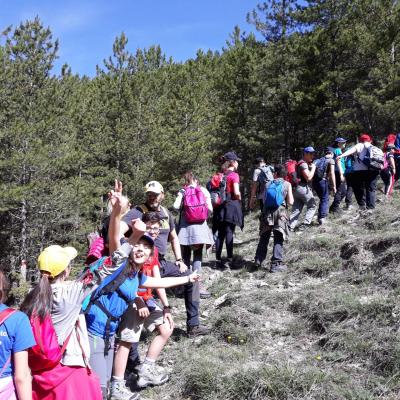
x=326, y=329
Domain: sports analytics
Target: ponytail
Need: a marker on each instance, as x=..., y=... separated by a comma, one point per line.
x=39, y=300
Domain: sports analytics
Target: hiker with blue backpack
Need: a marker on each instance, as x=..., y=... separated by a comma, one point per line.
x=16, y=338
x=229, y=214
x=112, y=298
x=194, y=203
x=262, y=175
x=323, y=176
x=274, y=219
x=303, y=193
x=368, y=162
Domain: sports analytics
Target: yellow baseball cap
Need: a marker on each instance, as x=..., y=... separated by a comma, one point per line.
x=154, y=186
x=55, y=259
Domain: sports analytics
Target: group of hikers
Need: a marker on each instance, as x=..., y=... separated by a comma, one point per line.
x=298, y=183
x=79, y=338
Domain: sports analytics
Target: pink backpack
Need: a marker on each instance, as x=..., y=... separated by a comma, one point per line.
x=47, y=353
x=195, y=208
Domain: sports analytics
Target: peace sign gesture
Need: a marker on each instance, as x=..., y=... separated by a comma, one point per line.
x=115, y=198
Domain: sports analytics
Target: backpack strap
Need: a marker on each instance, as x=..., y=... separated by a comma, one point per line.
x=5, y=365
x=226, y=174
x=85, y=358
x=3, y=316
x=115, y=287
x=110, y=318
x=66, y=341
x=142, y=208
x=6, y=313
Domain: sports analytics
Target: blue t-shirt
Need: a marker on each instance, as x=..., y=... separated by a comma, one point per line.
x=338, y=152
x=15, y=335
x=96, y=319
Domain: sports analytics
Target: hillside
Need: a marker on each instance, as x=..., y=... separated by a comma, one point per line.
x=326, y=329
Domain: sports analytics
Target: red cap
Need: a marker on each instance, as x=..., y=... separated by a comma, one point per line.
x=365, y=138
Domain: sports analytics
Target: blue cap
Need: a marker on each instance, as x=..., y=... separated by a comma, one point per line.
x=231, y=156
x=309, y=149
x=148, y=238
x=340, y=140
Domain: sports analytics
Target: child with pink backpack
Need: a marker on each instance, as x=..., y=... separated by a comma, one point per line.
x=194, y=203
x=60, y=361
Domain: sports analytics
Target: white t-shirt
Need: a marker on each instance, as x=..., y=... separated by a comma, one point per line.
x=361, y=151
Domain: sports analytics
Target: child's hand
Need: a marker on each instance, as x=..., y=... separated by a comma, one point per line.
x=194, y=277
x=115, y=197
x=144, y=312
x=138, y=229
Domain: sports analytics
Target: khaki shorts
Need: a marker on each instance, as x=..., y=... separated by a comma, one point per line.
x=131, y=324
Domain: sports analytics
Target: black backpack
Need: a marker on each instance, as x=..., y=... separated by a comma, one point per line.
x=320, y=169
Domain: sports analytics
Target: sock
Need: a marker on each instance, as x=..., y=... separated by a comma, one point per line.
x=148, y=360
x=117, y=378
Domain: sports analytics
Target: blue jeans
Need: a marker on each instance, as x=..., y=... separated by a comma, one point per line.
x=322, y=189
x=262, y=247
x=196, y=265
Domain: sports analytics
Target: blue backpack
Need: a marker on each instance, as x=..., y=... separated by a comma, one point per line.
x=274, y=196
x=110, y=287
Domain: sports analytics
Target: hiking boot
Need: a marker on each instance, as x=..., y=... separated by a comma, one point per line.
x=197, y=330
x=119, y=391
x=228, y=263
x=322, y=221
x=278, y=266
x=150, y=375
x=303, y=228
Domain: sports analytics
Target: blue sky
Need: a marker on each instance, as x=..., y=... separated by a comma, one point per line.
x=86, y=29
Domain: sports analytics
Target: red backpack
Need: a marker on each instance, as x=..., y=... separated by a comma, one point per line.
x=47, y=353
x=195, y=208
x=291, y=168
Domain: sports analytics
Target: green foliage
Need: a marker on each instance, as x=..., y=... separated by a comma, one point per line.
x=322, y=68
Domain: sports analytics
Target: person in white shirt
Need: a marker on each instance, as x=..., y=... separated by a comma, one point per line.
x=364, y=180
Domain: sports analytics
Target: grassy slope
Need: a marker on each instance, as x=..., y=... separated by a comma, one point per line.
x=327, y=329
